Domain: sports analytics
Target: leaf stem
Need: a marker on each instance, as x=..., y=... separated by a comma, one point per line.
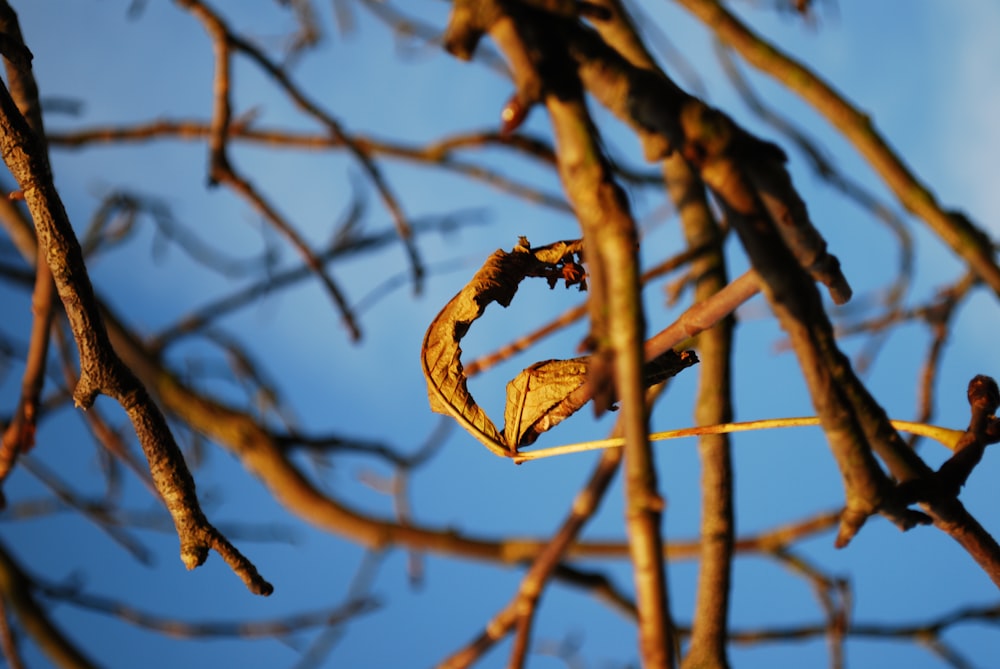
x=947, y=437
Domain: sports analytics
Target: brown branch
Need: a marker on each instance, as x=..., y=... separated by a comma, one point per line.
x=226, y=39
x=439, y=154
x=711, y=143
x=533, y=44
x=221, y=170
x=101, y=370
x=707, y=646
x=193, y=629
x=713, y=406
x=824, y=168
x=19, y=436
x=967, y=241
x=521, y=610
x=16, y=593
x=8, y=644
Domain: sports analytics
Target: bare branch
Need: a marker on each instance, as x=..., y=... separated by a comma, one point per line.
x=16, y=592
x=101, y=370
x=967, y=240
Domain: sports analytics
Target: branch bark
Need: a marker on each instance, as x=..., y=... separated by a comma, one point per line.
x=709, y=628
x=533, y=44
x=967, y=241
x=19, y=437
x=101, y=370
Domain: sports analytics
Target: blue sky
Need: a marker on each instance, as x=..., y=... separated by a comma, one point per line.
x=926, y=72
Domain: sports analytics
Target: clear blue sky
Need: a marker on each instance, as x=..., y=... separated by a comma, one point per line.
x=925, y=71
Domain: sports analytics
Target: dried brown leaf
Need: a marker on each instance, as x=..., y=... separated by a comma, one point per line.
x=539, y=398
x=496, y=281
x=542, y=395
x=548, y=392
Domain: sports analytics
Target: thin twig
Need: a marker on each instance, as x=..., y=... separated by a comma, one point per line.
x=521, y=610
x=221, y=170
x=945, y=436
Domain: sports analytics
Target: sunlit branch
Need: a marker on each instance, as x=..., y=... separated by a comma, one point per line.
x=713, y=405
x=707, y=647
x=101, y=369
x=520, y=611
x=542, y=73
x=824, y=168
x=958, y=232
x=19, y=435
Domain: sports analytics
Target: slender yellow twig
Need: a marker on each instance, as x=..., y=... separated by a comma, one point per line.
x=945, y=436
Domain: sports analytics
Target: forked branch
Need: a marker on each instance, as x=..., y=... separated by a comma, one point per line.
x=101, y=370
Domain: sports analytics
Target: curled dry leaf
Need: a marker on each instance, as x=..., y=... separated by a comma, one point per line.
x=546, y=393
x=496, y=281
x=542, y=395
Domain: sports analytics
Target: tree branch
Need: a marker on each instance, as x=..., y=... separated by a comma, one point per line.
x=707, y=647
x=533, y=44
x=16, y=592
x=101, y=370
x=19, y=437
x=967, y=241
